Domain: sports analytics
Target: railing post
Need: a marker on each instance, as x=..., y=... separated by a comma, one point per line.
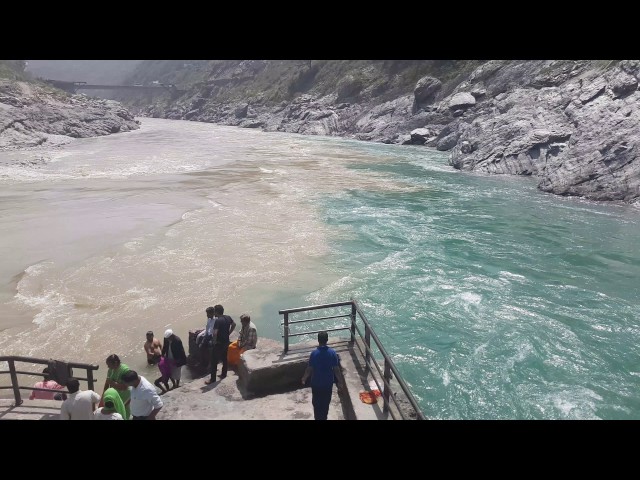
x=90, y=378
x=385, y=388
x=367, y=342
x=353, y=322
x=286, y=332
x=14, y=383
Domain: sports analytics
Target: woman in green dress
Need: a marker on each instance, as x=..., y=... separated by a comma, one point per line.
x=111, y=396
x=114, y=380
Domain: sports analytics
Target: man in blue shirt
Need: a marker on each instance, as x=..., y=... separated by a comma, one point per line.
x=323, y=368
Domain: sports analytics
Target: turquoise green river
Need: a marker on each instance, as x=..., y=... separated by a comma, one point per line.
x=495, y=300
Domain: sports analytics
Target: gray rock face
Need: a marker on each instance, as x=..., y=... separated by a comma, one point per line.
x=591, y=89
x=31, y=116
x=426, y=90
x=580, y=138
x=622, y=83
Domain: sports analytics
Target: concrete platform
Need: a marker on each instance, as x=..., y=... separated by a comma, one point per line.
x=353, y=374
x=266, y=386
x=30, y=409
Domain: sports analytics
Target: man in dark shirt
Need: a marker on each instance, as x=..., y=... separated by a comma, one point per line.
x=222, y=328
x=323, y=368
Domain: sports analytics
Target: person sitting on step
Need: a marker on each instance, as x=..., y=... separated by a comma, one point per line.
x=247, y=340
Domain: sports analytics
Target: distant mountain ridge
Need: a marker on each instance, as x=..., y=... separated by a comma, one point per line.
x=110, y=72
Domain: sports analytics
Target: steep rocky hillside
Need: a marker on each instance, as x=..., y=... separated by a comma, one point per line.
x=572, y=124
x=32, y=113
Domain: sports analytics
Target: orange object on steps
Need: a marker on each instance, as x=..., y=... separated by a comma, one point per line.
x=233, y=354
x=370, y=397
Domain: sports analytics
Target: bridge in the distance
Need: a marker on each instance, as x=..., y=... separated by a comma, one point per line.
x=73, y=87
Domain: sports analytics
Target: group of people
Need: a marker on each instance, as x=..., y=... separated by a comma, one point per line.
x=169, y=357
x=323, y=369
x=128, y=395
x=216, y=337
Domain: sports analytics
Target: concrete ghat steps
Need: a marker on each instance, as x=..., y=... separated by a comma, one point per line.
x=266, y=386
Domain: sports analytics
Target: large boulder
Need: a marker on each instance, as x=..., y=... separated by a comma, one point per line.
x=426, y=90
x=622, y=84
x=461, y=101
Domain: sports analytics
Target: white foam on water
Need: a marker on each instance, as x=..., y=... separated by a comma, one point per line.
x=189, y=214
x=59, y=155
x=10, y=174
x=433, y=167
x=141, y=298
x=133, y=244
x=468, y=301
x=515, y=276
x=575, y=405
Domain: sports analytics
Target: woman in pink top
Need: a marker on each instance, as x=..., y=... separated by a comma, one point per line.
x=165, y=365
x=50, y=385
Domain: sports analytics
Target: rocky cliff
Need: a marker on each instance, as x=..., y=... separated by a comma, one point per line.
x=572, y=124
x=32, y=114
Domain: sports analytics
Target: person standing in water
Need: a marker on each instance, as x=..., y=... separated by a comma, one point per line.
x=164, y=366
x=153, y=349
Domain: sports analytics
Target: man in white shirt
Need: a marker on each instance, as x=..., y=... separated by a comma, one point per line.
x=79, y=405
x=210, y=321
x=204, y=342
x=145, y=401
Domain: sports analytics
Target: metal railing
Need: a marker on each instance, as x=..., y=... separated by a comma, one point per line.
x=16, y=387
x=386, y=373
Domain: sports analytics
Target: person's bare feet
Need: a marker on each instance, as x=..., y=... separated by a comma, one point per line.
x=208, y=382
